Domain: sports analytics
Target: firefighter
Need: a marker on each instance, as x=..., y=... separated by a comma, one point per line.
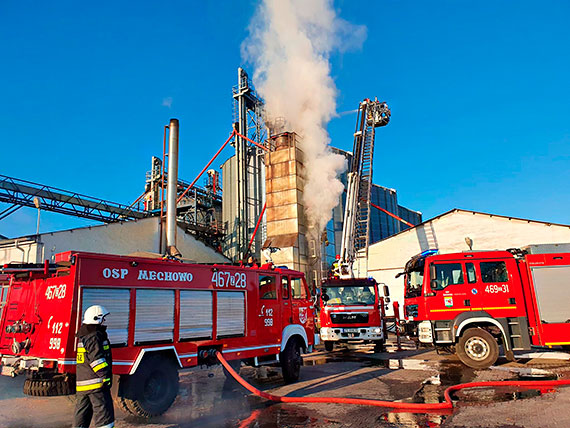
x=335, y=268
x=94, y=372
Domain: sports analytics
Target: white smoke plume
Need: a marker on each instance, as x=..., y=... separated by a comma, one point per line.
x=290, y=43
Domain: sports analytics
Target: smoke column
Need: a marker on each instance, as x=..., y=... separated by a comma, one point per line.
x=289, y=43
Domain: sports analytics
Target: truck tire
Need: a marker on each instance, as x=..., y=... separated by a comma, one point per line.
x=329, y=345
x=291, y=361
x=379, y=346
x=152, y=389
x=49, y=387
x=121, y=403
x=477, y=348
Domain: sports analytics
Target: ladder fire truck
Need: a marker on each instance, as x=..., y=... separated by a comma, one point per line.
x=165, y=315
x=472, y=302
x=351, y=308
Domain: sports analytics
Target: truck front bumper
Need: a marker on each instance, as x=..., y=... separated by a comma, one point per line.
x=425, y=332
x=13, y=365
x=335, y=334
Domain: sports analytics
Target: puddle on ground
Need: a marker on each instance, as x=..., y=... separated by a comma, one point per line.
x=279, y=416
x=342, y=358
x=537, y=376
x=453, y=374
x=411, y=420
x=484, y=396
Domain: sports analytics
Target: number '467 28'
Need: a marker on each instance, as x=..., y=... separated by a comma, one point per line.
x=55, y=292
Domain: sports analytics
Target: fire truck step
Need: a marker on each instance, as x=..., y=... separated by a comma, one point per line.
x=257, y=363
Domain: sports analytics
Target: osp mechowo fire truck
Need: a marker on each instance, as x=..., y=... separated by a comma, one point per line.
x=472, y=302
x=165, y=315
x=352, y=310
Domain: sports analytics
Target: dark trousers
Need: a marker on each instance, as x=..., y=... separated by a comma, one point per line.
x=97, y=405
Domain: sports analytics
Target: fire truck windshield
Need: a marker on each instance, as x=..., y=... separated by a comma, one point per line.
x=414, y=281
x=351, y=295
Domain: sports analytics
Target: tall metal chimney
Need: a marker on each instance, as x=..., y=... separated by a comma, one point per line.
x=171, y=189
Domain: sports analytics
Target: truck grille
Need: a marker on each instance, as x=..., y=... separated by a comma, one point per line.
x=350, y=318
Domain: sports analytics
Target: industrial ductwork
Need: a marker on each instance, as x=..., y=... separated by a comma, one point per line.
x=172, y=190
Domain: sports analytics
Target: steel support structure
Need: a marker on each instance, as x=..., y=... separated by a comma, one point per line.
x=248, y=122
x=21, y=193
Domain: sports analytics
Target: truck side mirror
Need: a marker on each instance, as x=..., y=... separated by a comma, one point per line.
x=433, y=277
x=432, y=272
x=386, y=290
x=325, y=297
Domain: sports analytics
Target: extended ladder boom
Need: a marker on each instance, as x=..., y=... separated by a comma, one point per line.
x=355, y=235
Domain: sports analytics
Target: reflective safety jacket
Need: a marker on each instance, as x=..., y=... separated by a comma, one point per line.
x=94, y=362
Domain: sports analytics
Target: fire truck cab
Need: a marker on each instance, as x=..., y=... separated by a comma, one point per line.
x=472, y=302
x=165, y=315
x=350, y=311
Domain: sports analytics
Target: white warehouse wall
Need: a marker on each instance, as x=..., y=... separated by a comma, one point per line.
x=447, y=233
x=116, y=238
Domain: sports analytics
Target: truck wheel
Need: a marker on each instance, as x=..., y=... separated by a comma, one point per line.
x=477, y=348
x=152, y=389
x=49, y=387
x=121, y=403
x=329, y=345
x=291, y=361
x=379, y=346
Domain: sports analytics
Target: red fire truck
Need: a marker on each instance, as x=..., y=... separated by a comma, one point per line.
x=473, y=302
x=350, y=311
x=165, y=315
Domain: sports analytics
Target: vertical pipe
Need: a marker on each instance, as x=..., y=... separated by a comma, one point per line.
x=172, y=187
x=161, y=248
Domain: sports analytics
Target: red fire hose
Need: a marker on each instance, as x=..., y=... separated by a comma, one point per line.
x=411, y=407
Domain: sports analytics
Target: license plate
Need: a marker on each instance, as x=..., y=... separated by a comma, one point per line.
x=351, y=330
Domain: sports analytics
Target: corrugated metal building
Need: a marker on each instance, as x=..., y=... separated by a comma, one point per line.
x=116, y=238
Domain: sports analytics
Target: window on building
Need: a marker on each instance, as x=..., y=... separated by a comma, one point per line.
x=471, y=275
x=494, y=272
x=267, y=287
x=448, y=274
x=298, y=289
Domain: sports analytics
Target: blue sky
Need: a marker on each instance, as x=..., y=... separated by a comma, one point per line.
x=479, y=92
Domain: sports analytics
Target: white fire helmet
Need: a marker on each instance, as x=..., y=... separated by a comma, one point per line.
x=95, y=314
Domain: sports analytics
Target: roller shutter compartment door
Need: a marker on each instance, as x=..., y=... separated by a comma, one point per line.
x=154, y=321
x=116, y=301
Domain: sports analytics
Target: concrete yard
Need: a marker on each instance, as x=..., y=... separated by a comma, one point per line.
x=207, y=399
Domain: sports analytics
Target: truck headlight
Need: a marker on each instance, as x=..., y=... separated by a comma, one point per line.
x=377, y=330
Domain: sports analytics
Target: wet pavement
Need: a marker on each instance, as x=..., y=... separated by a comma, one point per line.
x=207, y=399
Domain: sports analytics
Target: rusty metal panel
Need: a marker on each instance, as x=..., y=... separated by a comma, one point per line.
x=116, y=301
x=154, y=321
x=231, y=313
x=195, y=314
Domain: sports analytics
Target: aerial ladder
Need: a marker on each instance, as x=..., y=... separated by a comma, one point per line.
x=355, y=230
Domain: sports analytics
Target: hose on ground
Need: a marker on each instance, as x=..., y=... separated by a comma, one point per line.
x=410, y=407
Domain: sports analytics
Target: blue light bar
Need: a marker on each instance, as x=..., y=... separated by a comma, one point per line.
x=429, y=252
